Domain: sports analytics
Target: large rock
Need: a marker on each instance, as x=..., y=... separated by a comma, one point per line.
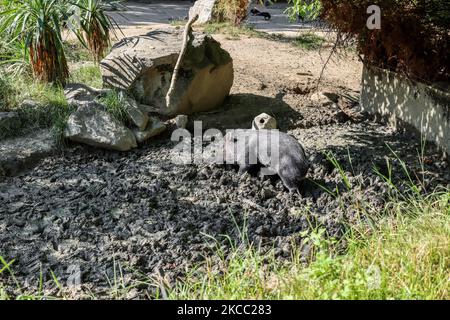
x=80, y=95
x=98, y=128
x=21, y=153
x=204, y=9
x=8, y=121
x=143, y=67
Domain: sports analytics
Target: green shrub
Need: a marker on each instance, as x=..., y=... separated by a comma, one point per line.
x=7, y=93
x=304, y=9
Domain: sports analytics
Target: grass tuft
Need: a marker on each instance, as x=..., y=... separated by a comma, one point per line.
x=115, y=106
x=309, y=41
x=405, y=257
x=232, y=31
x=89, y=75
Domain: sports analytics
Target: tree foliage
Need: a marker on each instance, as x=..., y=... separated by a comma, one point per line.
x=414, y=38
x=304, y=9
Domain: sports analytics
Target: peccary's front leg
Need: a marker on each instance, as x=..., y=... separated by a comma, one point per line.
x=245, y=168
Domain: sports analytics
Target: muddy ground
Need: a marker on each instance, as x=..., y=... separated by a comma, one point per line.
x=89, y=210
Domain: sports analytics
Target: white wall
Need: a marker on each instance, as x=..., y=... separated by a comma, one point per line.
x=425, y=108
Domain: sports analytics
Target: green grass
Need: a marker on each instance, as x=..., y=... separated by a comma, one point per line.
x=115, y=106
x=233, y=32
x=76, y=52
x=405, y=257
x=16, y=87
x=306, y=41
x=51, y=108
x=309, y=41
x=89, y=75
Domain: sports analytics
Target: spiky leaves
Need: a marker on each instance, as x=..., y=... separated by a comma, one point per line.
x=95, y=26
x=36, y=24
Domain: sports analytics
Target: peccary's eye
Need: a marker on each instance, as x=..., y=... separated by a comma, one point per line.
x=261, y=121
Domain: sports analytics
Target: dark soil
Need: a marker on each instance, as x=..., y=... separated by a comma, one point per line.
x=97, y=210
x=136, y=216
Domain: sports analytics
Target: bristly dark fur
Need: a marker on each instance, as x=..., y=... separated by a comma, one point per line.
x=266, y=15
x=291, y=167
x=254, y=11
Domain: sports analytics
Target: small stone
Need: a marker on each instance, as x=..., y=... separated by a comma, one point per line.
x=266, y=194
x=154, y=128
x=220, y=199
x=324, y=98
x=29, y=104
x=264, y=121
x=181, y=121
x=262, y=86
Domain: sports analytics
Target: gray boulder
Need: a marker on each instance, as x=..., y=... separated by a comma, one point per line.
x=8, y=121
x=21, y=153
x=204, y=9
x=95, y=127
x=143, y=65
x=80, y=95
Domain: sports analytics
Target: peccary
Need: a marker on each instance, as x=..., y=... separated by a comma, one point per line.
x=276, y=152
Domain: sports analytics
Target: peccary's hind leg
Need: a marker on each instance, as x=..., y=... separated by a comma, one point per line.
x=291, y=184
x=246, y=168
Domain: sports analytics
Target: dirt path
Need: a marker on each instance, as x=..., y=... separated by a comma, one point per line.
x=159, y=13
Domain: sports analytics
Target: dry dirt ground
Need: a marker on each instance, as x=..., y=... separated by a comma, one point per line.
x=102, y=221
x=276, y=70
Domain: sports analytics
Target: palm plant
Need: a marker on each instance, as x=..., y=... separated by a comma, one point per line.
x=95, y=26
x=36, y=25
